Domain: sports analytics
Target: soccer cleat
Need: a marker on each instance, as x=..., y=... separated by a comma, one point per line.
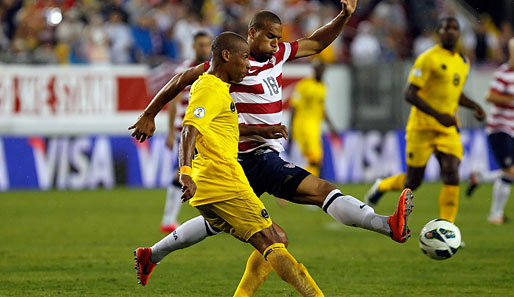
x=169, y=228
x=144, y=265
x=373, y=195
x=473, y=183
x=497, y=221
x=400, y=232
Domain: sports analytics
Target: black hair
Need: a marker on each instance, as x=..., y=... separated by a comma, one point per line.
x=226, y=40
x=446, y=19
x=259, y=20
x=200, y=34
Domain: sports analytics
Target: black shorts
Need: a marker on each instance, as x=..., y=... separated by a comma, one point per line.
x=267, y=172
x=502, y=146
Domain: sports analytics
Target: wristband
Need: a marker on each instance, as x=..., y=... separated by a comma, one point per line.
x=185, y=170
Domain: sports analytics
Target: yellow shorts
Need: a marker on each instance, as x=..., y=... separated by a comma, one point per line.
x=421, y=144
x=241, y=217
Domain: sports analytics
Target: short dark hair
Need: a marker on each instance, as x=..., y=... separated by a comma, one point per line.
x=446, y=19
x=259, y=19
x=200, y=34
x=226, y=41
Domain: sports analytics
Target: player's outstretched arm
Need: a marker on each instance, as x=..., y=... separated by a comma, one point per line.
x=185, y=159
x=270, y=132
x=466, y=102
x=325, y=35
x=411, y=96
x=495, y=97
x=144, y=127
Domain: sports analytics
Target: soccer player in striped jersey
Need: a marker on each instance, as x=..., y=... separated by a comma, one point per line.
x=259, y=104
x=500, y=130
x=176, y=111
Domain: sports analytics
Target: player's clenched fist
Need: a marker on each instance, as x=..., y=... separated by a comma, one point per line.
x=144, y=127
x=188, y=187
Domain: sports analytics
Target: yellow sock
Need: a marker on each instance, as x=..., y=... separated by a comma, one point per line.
x=288, y=269
x=313, y=169
x=256, y=273
x=392, y=183
x=449, y=202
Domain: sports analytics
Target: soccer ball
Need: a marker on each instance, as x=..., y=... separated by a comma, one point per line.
x=440, y=239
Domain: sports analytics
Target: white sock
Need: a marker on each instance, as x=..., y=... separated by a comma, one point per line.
x=501, y=192
x=353, y=212
x=172, y=205
x=187, y=234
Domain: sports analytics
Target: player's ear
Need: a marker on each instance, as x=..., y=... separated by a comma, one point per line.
x=252, y=32
x=225, y=55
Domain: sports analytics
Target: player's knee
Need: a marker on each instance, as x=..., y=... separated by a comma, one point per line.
x=450, y=177
x=413, y=183
x=280, y=235
x=510, y=172
x=324, y=187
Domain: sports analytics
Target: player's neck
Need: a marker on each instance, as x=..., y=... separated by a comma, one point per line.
x=257, y=58
x=511, y=62
x=219, y=73
x=448, y=48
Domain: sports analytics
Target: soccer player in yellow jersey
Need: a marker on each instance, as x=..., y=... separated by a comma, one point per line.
x=214, y=182
x=308, y=111
x=435, y=91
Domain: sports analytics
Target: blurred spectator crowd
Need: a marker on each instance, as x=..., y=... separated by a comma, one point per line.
x=153, y=31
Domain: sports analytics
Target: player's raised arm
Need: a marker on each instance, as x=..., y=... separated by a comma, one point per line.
x=144, y=127
x=411, y=96
x=325, y=35
x=185, y=159
x=466, y=102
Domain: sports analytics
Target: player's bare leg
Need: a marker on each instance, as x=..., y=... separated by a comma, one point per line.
x=449, y=196
x=349, y=210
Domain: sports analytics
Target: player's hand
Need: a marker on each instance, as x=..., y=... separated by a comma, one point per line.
x=143, y=127
x=274, y=132
x=446, y=120
x=479, y=113
x=188, y=187
x=349, y=6
x=170, y=140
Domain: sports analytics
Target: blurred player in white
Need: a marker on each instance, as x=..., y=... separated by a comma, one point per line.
x=500, y=130
x=176, y=109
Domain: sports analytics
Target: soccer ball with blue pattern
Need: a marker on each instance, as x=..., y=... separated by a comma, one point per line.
x=440, y=239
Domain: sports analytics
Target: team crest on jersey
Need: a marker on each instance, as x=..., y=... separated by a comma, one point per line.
x=273, y=60
x=264, y=213
x=417, y=72
x=289, y=165
x=232, y=107
x=199, y=112
x=456, y=79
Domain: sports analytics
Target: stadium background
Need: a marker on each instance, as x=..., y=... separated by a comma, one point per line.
x=75, y=74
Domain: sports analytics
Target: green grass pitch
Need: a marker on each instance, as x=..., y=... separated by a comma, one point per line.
x=81, y=243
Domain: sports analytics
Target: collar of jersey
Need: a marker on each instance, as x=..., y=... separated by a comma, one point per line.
x=217, y=79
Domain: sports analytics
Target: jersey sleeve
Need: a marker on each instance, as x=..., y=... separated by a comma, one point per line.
x=420, y=72
x=293, y=49
x=204, y=106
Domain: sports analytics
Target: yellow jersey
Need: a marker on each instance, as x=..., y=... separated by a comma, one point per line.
x=309, y=103
x=216, y=172
x=440, y=74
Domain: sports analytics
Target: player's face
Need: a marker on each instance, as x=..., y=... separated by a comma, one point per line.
x=449, y=34
x=202, y=47
x=239, y=63
x=264, y=42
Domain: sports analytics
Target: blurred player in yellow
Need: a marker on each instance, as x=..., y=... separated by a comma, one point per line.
x=435, y=91
x=308, y=112
x=215, y=182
